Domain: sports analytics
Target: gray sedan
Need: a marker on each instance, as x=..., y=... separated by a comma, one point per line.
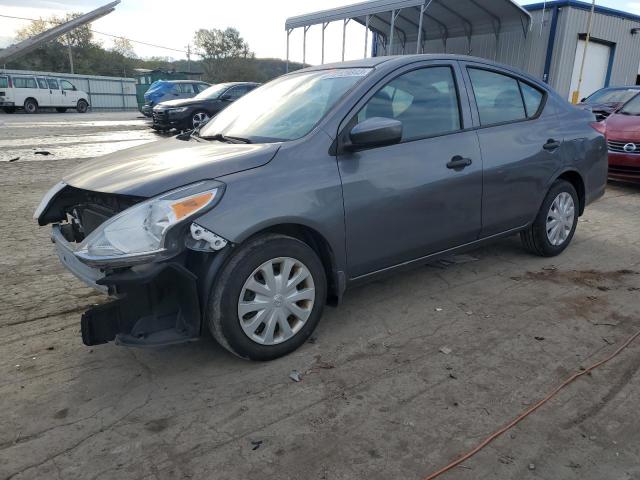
x=317, y=181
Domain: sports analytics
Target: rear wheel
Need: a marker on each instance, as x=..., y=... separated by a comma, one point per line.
x=30, y=105
x=82, y=106
x=268, y=298
x=555, y=224
x=61, y=109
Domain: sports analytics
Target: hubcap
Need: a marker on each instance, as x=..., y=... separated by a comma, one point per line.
x=560, y=219
x=199, y=119
x=276, y=301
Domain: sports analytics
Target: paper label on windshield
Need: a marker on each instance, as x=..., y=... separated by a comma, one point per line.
x=346, y=72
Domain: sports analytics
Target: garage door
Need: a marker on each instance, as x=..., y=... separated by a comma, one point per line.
x=596, y=65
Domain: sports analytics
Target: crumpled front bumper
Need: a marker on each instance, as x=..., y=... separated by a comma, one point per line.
x=156, y=303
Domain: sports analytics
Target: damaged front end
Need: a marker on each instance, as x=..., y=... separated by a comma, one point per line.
x=147, y=253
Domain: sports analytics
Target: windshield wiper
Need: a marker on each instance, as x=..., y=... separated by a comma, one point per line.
x=226, y=138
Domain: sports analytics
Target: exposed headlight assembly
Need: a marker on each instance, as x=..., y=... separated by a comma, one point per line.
x=146, y=232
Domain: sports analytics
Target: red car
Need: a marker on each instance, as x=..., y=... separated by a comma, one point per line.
x=623, y=139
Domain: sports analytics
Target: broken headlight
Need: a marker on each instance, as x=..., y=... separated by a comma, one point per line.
x=143, y=233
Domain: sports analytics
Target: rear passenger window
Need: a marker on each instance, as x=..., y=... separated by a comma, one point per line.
x=24, y=82
x=497, y=97
x=532, y=98
x=424, y=100
x=53, y=84
x=42, y=83
x=185, y=87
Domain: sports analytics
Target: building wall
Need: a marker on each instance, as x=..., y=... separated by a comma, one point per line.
x=626, y=54
x=105, y=93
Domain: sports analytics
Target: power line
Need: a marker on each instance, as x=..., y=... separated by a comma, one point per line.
x=102, y=33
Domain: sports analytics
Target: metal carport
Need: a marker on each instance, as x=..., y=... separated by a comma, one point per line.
x=402, y=26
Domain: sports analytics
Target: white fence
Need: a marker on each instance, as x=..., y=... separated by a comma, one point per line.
x=105, y=93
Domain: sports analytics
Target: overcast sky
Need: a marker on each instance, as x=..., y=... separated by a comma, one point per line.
x=172, y=24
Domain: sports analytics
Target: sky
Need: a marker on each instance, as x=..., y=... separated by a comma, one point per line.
x=172, y=23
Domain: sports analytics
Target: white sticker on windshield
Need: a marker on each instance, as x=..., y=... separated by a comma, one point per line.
x=346, y=72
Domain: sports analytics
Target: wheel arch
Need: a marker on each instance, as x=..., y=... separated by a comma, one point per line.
x=322, y=247
x=575, y=179
x=31, y=98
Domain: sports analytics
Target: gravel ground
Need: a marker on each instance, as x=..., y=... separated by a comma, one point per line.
x=378, y=399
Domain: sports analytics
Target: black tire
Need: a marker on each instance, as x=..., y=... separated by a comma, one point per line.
x=9, y=109
x=82, y=106
x=222, y=309
x=535, y=237
x=30, y=105
x=61, y=109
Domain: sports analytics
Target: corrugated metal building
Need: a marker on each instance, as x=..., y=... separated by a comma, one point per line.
x=105, y=93
x=549, y=45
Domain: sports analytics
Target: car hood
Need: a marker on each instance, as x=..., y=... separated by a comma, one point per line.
x=151, y=169
x=626, y=125
x=179, y=102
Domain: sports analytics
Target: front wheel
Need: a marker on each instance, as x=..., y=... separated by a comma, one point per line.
x=199, y=119
x=82, y=106
x=268, y=298
x=555, y=224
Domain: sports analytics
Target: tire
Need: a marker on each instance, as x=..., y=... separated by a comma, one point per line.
x=30, y=105
x=82, y=106
x=61, y=109
x=275, y=252
x=539, y=237
x=198, y=117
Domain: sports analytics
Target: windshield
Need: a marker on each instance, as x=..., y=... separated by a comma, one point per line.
x=632, y=107
x=286, y=108
x=212, y=92
x=617, y=95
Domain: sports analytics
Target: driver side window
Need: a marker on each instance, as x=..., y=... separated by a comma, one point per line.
x=424, y=100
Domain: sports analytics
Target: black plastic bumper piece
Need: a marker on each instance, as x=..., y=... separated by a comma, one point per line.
x=156, y=306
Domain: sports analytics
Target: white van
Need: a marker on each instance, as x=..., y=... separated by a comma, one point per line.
x=31, y=92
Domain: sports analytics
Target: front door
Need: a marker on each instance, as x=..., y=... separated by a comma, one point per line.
x=406, y=201
x=69, y=94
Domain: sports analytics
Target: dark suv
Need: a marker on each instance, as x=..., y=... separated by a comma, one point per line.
x=190, y=113
x=316, y=181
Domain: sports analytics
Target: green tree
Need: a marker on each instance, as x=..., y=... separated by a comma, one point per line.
x=225, y=55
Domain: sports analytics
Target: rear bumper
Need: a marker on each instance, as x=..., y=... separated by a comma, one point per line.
x=6, y=103
x=624, y=167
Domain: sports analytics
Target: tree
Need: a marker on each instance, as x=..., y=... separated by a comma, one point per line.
x=225, y=55
x=122, y=46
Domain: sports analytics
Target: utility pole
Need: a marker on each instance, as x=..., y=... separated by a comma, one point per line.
x=576, y=94
x=70, y=57
x=189, y=58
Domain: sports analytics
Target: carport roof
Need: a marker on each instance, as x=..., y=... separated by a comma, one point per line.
x=440, y=18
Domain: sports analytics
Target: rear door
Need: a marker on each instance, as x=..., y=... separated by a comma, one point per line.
x=520, y=143
x=24, y=87
x=5, y=93
x=405, y=201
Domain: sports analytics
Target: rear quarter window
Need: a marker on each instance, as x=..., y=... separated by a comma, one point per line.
x=4, y=82
x=532, y=99
x=24, y=82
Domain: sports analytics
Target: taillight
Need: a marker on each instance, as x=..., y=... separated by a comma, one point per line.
x=599, y=127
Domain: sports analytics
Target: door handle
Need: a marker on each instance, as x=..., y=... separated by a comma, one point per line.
x=551, y=145
x=458, y=163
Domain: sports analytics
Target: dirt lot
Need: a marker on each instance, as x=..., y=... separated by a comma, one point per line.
x=378, y=399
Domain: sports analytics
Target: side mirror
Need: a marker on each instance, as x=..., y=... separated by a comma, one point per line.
x=582, y=101
x=74, y=88
x=375, y=132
